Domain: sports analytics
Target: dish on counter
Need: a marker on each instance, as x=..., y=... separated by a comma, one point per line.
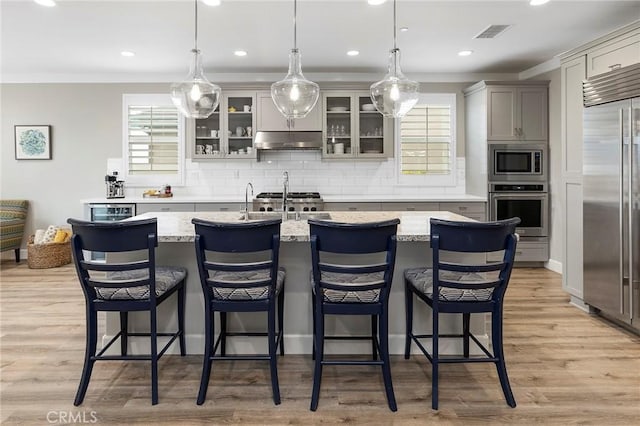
x=368, y=107
x=338, y=109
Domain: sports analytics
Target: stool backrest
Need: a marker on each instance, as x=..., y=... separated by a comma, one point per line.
x=345, y=246
x=473, y=237
x=137, y=237
x=238, y=247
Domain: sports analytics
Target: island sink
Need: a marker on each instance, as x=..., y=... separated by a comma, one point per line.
x=290, y=215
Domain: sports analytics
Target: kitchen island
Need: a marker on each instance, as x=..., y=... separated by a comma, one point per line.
x=176, y=247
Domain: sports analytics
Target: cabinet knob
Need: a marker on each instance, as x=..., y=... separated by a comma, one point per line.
x=352, y=209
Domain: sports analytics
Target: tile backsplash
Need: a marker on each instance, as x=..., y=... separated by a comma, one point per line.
x=307, y=172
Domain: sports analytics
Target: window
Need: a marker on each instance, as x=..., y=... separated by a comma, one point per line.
x=427, y=141
x=153, y=140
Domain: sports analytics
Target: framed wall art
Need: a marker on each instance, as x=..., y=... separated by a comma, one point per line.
x=33, y=142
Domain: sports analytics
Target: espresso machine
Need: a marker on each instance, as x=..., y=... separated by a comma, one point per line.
x=115, y=187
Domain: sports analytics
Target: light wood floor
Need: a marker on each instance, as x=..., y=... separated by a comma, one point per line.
x=565, y=366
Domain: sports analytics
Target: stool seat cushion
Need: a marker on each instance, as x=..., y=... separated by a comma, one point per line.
x=167, y=277
x=242, y=292
x=422, y=280
x=350, y=296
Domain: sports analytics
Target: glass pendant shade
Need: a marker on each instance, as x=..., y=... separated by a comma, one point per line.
x=196, y=97
x=395, y=94
x=295, y=96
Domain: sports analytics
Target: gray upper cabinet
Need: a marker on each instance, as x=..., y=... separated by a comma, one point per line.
x=517, y=113
x=352, y=129
x=270, y=119
x=616, y=54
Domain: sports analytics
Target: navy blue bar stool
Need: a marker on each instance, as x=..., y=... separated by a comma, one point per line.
x=239, y=272
x=345, y=283
x=464, y=289
x=124, y=287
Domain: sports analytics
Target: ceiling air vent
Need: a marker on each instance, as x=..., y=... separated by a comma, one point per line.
x=492, y=31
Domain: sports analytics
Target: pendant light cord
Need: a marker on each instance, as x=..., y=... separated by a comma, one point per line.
x=195, y=37
x=394, y=25
x=295, y=14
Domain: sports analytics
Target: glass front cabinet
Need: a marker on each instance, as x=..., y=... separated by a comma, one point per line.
x=229, y=131
x=353, y=128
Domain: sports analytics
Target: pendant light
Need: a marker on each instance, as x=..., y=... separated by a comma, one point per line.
x=395, y=94
x=295, y=96
x=196, y=97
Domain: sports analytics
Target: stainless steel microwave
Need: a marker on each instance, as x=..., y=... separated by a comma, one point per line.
x=515, y=162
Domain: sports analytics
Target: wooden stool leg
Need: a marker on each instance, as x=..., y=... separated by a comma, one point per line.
x=319, y=346
x=386, y=366
x=374, y=336
x=408, y=303
x=281, y=320
x=181, y=302
x=434, y=364
x=154, y=357
x=223, y=333
x=496, y=340
x=466, y=317
x=124, y=327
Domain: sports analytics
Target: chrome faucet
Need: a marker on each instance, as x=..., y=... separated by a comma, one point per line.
x=246, y=200
x=285, y=193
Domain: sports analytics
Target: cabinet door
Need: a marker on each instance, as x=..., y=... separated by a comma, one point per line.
x=269, y=118
x=240, y=124
x=207, y=137
x=615, y=55
x=338, y=125
x=219, y=207
x=476, y=211
x=501, y=112
x=312, y=122
x=410, y=207
x=352, y=207
x=532, y=113
x=164, y=207
x=374, y=132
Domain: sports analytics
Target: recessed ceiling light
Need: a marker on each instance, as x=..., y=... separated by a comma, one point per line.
x=211, y=2
x=353, y=53
x=127, y=53
x=48, y=3
x=465, y=52
x=240, y=53
x=404, y=29
x=538, y=2
x=375, y=2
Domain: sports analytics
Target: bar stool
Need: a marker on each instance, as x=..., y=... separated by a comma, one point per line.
x=238, y=264
x=464, y=289
x=124, y=287
x=344, y=282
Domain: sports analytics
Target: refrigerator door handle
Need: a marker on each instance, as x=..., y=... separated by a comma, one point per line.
x=621, y=211
x=630, y=213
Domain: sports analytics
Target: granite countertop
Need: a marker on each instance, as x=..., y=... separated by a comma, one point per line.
x=326, y=199
x=414, y=226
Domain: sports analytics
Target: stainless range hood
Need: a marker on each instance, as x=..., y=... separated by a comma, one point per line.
x=279, y=141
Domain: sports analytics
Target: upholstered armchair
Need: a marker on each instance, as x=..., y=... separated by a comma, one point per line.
x=13, y=216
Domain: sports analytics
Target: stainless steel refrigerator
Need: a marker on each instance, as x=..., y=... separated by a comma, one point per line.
x=611, y=195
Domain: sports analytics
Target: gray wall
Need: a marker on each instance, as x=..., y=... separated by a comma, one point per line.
x=86, y=129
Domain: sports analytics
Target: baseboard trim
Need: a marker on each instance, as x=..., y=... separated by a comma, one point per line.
x=553, y=265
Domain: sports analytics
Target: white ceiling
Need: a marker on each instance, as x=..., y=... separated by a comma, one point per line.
x=82, y=40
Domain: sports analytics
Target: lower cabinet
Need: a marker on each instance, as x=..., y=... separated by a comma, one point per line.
x=475, y=211
x=352, y=207
x=409, y=207
x=164, y=207
x=526, y=251
x=220, y=207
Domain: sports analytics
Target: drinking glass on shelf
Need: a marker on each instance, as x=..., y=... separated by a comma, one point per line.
x=342, y=131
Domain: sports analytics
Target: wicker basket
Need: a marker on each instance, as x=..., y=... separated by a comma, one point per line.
x=51, y=255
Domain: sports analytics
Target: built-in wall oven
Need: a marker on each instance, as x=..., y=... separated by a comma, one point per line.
x=517, y=162
x=528, y=201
